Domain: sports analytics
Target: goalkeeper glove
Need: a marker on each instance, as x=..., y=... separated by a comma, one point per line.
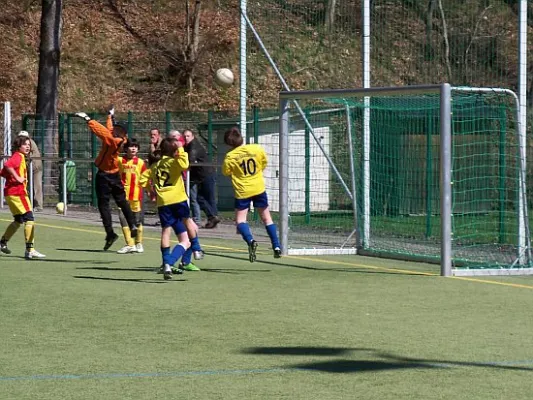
x=111, y=110
x=83, y=115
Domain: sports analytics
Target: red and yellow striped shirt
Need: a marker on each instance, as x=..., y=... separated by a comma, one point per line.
x=18, y=163
x=130, y=172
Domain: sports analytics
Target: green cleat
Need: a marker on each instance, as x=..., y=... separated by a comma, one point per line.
x=189, y=267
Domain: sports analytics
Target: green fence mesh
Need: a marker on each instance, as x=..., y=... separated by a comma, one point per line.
x=402, y=184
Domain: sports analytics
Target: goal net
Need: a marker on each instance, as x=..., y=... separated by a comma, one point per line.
x=428, y=173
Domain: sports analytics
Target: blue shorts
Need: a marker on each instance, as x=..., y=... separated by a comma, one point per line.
x=260, y=201
x=172, y=213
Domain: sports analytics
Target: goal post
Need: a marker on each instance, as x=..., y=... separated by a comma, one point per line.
x=430, y=172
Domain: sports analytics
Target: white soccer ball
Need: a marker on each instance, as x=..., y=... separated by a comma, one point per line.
x=60, y=207
x=224, y=77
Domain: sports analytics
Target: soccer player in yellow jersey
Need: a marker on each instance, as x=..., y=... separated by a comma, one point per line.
x=131, y=168
x=245, y=163
x=16, y=194
x=167, y=178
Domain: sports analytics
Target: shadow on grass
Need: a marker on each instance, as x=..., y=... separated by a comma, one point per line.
x=156, y=281
x=138, y=269
x=87, y=250
x=388, y=361
x=62, y=260
x=283, y=263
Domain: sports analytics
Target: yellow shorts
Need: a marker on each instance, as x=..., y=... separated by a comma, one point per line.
x=19, y=205
x=135, y=205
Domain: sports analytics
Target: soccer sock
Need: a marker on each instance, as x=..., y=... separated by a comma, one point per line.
x=165, y=254
x=244, y=230
x=29, y=232
x=195, y=244
x=187, y=256
x=139, y=238
x=176, y=254
x=127, y=235
x=10, y=231
x=272, y=233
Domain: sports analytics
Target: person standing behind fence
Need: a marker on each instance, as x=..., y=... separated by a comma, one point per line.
x=202, y=182
x=108, y=182
x=37, y=167
x=131, y=167
x=245, y=163
x=16, y=194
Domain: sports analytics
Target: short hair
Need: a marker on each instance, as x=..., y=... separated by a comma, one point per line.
x=233, y=137
x=174, y=134
x=168, y=147
x=18, y=142
x=132, y=143
x=155, y=129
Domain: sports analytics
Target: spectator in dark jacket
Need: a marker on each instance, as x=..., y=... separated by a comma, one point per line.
x=202, y=182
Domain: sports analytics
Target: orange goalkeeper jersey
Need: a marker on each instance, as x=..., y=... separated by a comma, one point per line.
x=130, y=172
x=107, y=159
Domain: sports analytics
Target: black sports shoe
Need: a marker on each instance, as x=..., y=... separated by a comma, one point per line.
x=252, y=248
x=277, y=252
x=4, y=249
x=109, y=240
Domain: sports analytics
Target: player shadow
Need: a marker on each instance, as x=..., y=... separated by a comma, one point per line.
x=384, y=362
x=139, y=269
x=132, y=280
x=61, y=260
x=283, y=263
x=233, y=270
x=87, y=250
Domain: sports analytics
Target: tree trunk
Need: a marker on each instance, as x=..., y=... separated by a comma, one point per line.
x=446, y=41
x=429, y=29
x=330, y=15
x=47, y=86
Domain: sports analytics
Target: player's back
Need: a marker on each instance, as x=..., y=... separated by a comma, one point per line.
x=245, y=165
x=167, y=177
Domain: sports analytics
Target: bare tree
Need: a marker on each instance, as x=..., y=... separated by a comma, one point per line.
x=446, y=41
x=331, y=6
x=192, y=40
x=47, y=86
x=429, y=28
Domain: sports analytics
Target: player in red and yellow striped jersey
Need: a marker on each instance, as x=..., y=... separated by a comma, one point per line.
x=131, y=167
x=16, y=195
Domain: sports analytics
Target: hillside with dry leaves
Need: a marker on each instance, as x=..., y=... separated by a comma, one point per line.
x=131, y=52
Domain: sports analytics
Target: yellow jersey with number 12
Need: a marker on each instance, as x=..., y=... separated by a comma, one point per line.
x=245, y=165
x=167, y=178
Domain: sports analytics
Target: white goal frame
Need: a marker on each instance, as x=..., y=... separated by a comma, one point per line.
x=523, y=257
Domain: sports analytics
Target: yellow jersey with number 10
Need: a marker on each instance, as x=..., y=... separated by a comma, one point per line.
x=245, y=165
x=167, y=178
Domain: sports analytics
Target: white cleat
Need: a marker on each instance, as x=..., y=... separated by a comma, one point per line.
x=198, y=255
x=29, y=254
x=139, y=247
x=127, y=249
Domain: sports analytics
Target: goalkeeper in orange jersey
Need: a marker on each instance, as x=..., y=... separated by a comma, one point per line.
x=108, y=182
x=131, y=167
x=16, y=195
x=245, y=163
x=166, y=175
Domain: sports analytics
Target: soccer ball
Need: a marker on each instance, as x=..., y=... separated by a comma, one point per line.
x=60, y=208
x=224, y=77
